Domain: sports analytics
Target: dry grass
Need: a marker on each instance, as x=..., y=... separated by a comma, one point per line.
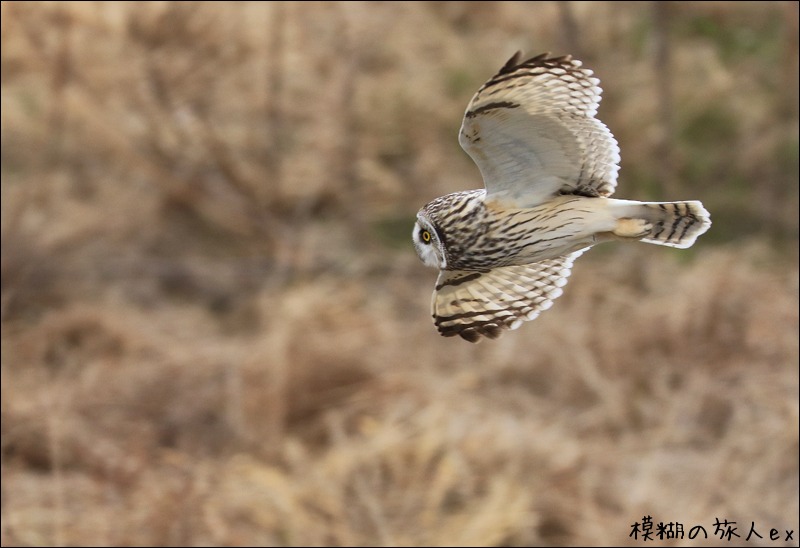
x=204, y=342
x=345, y=420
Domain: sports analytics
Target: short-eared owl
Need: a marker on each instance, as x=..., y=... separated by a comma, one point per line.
x=549, y=167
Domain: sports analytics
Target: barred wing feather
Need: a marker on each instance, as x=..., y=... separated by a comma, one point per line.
x=476, y=304
x=532, y=132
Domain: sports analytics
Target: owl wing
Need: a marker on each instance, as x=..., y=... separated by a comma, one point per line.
x=475, y=304
x=531, y=129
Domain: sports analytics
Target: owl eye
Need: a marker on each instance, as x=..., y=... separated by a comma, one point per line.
x=426, y=236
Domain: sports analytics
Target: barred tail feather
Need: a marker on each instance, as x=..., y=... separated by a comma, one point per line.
x=674, y=224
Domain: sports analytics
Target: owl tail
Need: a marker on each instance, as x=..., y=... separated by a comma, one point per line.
x=674, y=224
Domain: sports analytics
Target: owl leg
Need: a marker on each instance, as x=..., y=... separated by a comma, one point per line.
x=632, y=228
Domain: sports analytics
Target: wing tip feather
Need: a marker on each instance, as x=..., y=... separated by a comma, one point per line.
x=514, y=62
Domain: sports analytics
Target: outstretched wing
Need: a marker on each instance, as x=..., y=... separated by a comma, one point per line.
x=475, y=304
x=531, y=129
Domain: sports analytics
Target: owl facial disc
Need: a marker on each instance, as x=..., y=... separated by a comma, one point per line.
x=427, y=243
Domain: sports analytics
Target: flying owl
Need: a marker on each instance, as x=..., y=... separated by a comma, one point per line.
x=549, y=167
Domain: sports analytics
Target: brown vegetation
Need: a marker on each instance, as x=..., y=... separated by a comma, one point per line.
x=215, y=329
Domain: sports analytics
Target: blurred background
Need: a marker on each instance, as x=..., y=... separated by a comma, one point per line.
x=215, y=329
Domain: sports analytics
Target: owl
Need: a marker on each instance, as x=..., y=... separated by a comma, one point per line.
x=549, y=166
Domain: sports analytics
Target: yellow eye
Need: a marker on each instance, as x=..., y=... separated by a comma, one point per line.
x=426, y=236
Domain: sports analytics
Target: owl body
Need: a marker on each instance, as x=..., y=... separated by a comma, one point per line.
x=549, y=166
x=467, y=233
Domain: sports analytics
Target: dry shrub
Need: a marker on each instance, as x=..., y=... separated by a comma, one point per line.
x=651, y=387
x=206, y=341
x=347, y=420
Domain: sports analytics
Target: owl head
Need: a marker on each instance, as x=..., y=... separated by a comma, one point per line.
x=427, y=242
